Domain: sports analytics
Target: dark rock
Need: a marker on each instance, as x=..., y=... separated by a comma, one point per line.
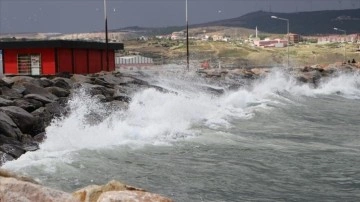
x=100, y=97
x=5, y=157
x=32, y=89
x=28, y=104
x=44, y=118
x=98, y=89
x=4, y=83
x=25, y=79
x=8, y=127
x=112, y=79
x=62, y=83
x=23, y=119
x=40, y=98
x=45, y=82
x=10, y=93
x=78, y=78
x=12, y=150
x=40, y=137
x=19, y=88
x=118, y=105
x=55, y=109
x=118, y=95
x=5, y=102
x=59, y=92
x=101, y=82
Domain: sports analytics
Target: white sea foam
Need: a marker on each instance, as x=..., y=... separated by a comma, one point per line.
x=155, y=117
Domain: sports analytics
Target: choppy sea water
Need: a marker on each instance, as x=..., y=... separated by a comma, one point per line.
x=271, y=140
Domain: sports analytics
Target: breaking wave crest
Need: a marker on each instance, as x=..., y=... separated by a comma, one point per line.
x=159, y=118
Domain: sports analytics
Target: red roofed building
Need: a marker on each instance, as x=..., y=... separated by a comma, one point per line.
x=57, y=56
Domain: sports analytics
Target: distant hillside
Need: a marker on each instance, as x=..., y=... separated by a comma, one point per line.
x=305, y=23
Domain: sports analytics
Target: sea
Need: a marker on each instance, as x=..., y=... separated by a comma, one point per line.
x=269, y=139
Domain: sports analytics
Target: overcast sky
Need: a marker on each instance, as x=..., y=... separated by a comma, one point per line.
x=67, y=16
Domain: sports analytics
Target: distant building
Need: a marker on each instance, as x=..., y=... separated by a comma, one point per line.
x=294, y=38
x=278, y=43
x=351, y=38
x=178, y=35
x=50, y=57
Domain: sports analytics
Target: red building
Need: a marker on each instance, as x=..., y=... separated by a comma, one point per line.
x=57, y=56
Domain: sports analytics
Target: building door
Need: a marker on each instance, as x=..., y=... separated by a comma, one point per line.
x=29, y=64
x=35, y=64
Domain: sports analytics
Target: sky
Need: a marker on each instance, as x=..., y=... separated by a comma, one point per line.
x=73, y=16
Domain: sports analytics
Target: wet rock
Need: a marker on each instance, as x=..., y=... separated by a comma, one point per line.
x=38, y=97
x=118, y=95
x=101, y=82
x=10, y=93
x=32, y=89
x=23, y=119
x=12, y=150
x=62, y=83
x=43, y=117
x=59, y=92
x=5, y=157
x=45, y=82
x=5, y=102
x=118, y=105
x=28, y=104
x=8, y=127
x=16, y=80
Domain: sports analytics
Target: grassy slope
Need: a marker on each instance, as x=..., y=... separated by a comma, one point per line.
x=231, y=54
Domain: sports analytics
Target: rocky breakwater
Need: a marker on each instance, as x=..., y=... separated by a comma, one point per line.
x=306, y=74
x=28, y=104
x=16, y=188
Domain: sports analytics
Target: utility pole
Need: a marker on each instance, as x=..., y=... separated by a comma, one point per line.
x=288, y=36
x=106, y=37
x=187, y=35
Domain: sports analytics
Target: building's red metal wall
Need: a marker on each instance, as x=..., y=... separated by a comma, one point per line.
x=64, y=60
x=94, y=61
x=47, y=59
x=111, y=60
x=80, y=57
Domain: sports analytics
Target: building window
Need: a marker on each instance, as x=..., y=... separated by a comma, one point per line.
x=29, y=64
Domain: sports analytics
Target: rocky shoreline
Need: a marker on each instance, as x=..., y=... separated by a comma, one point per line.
x=28, y=104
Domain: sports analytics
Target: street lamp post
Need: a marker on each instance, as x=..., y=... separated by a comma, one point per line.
x=288, y=41
x=106, y=37
x=187, y=35
x=341, y=30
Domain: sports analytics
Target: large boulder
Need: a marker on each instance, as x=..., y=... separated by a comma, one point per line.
x=132, y=196
x=33, y=89
x=44, y=118
x=25, y=79
x=45, y=82
x=93, y=192
x=64, y=83
x=23, y=119
x=8, y=127
x=59, y=92
x=15, y=190
x=5, y=102
x=28, y=104
x=10, y=93
x=38, y=97
x=78, y=78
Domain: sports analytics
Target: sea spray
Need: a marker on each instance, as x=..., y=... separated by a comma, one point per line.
x=158, y=118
